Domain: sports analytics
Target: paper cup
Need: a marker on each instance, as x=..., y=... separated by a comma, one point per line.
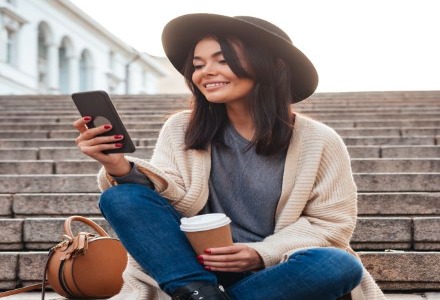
x=207, y=231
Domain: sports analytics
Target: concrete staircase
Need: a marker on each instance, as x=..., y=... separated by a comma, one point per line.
x=393, y=139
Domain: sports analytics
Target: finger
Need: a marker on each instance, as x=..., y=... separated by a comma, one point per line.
x=96, y=150
x=224, y=250
x=83, y=141
x=226, y=269
x=93, y=132
x=80, y=124
x=221, y=258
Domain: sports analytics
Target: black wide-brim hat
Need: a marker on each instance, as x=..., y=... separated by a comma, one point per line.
x=180, y=35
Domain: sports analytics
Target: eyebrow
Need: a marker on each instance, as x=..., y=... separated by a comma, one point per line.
x=218, y=53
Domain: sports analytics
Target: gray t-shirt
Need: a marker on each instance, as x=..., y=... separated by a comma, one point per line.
x=245, y=186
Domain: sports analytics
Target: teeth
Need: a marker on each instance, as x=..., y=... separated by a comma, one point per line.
x=208, y=85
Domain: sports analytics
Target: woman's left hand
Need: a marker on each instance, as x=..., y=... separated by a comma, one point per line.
x=236, y=258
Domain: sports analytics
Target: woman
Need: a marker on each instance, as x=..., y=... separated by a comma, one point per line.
x=283, y=179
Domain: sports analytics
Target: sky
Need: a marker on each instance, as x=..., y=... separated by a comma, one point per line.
x=368, y=45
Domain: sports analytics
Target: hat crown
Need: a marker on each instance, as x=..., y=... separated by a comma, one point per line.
x=265, y=25
x=182, y=33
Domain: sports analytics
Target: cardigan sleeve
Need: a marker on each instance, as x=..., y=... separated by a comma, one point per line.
x=329, y=215
x=161, y=170
x=177, y=174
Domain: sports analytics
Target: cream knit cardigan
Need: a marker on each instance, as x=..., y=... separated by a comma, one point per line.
x=317, y=207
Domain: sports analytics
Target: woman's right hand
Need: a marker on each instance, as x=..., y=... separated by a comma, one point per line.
x=92, y=145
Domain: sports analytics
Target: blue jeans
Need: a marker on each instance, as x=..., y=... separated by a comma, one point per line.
x=148, y=227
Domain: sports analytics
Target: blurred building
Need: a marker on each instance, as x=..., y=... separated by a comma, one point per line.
x=52, y=47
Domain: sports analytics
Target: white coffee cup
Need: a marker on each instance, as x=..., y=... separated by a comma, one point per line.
x=207, y=231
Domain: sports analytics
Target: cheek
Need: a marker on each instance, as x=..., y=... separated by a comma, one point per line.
x=195, y=78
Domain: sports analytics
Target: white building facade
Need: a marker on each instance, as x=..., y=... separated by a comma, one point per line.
x=52, y=47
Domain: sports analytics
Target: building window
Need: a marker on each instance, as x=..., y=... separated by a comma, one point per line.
x=111, y=60
x=63, y=70
x=11, y=46
x=42, y=59
x=85, y=71
x=10, y=25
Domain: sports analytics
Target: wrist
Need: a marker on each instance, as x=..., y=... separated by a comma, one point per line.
x=119, y=169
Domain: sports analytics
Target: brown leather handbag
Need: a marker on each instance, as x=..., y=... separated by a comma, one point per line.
x=83, y=266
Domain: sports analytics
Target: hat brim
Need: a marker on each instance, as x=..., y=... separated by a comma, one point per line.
x=181, y=33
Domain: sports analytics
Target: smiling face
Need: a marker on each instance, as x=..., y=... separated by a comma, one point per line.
x=213, y=76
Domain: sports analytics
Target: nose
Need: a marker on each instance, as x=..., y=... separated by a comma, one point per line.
x=209, y=70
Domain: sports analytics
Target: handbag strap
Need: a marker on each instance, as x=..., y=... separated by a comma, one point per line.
x=32, y=287
x=24, y=289
x=96, y=227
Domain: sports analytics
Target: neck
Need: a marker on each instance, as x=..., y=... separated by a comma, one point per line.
x=240, y=117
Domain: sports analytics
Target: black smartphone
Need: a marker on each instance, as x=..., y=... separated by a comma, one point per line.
x=99, y=106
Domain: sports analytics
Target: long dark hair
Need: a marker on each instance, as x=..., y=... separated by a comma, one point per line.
x=270, y=100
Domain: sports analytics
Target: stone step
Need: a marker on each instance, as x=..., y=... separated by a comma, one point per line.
x=345, y=98
x=391, y=131
x=58, y=153
x=390, y=269
x=391, y=140
x=49, y=205
x=356, y=152
x=15, y=123
x=155, y=109
x=67, y=134
x=350, y=141
x=404, y=270
x=411, y=123
x=397, y=182
x=39, y=233
x=89, y=166
x=151, y=133
x=374, y=116
x=399, y=204
x=86, y=183
x=386, y=165
x=317, y=99
x=48, y=184
x=417, y=233
x=51, y=125
x=19, y=153
x=138, y=114
x=407, y=233
x=395, y=151
x=58, y=142
x=393, y=204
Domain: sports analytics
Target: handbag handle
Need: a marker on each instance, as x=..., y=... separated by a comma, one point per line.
x=96, y=227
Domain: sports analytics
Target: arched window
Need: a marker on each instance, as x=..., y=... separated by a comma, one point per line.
x=64, y=54
x=44, y=40
x=85, y=71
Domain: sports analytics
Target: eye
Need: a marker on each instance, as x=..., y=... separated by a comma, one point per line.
x=197, y=67
x=223, y=62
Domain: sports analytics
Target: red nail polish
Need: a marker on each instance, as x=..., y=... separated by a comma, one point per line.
x=207, y=268
x=107, y=126
x=119, y=145
x=87, y=118
x=118, y=136
x=208, y=251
